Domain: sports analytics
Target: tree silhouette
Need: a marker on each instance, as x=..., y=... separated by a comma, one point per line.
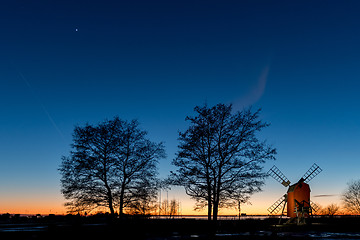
x=88, y=177
x=351, y=197
x=170, y=208
x=136, y=162
x=144, y=198
x=174, y=208
x=220, y=157
x=331, y=209
x=109, y=164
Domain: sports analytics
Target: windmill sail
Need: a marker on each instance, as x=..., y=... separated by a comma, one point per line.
x=278, y=205
x=314, y=207
x=279, y=176
x=311, y=173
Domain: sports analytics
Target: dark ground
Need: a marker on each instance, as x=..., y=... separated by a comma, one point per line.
x=102, y=227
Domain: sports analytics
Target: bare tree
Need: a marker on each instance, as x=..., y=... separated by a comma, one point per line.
x=174, y=208
x=351, y=197
x=136, y=161
x=144, y=198
x=165, y=207
x=88, y=180
x=170, y=208
x=220, y=157
x=331, y=209
x=109, y=165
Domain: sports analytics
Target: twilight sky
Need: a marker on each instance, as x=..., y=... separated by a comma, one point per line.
x=65, y=63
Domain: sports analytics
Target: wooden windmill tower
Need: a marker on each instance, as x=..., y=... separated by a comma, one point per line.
x=297, y=198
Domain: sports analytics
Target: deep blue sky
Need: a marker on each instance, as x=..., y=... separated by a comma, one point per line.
x=65, y=63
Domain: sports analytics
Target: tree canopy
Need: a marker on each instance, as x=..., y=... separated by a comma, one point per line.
x=220, y=158
x=112, y=165
x=351, y=197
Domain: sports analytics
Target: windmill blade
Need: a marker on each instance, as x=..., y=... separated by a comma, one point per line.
x=278, y=205
x=279, y=176
x=311, y=173
x=314, y=207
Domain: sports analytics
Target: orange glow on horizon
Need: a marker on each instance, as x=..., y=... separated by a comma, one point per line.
x=32, y=204
x=54, y=204
x=61, y=210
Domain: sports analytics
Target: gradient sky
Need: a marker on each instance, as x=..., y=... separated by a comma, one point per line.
x=65, y=63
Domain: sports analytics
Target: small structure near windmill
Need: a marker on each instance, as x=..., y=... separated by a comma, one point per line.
x=297, y=198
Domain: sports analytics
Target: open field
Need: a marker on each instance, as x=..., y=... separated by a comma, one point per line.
x=74, y=227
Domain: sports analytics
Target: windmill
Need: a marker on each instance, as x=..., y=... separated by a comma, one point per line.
x=297, y=198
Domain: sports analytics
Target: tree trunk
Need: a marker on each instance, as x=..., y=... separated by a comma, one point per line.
x=217, y=198
x=122, y=195
x=215, y=201
x=216, y=209
x=110, y=199
x=209, y=208
x=209, y=202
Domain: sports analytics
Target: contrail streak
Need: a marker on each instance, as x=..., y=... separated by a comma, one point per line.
x=254, y=95
x=42, y=106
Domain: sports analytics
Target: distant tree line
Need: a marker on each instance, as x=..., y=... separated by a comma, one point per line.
x=113, y=164
x=350, y=202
